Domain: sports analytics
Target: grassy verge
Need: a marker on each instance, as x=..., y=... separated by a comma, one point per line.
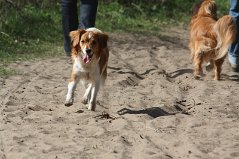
x=149, y=18
x=4, y=71
x=27, y=33
x=33, y=31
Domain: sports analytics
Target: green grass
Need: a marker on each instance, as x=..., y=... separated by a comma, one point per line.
x=149, y=18
x=34, y=31
x=4, y=71
x=134, y=18
x=28, y=32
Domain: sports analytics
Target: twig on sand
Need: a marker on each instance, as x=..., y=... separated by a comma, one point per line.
x=105, y=115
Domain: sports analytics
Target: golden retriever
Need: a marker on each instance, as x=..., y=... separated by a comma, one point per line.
x=210, y=37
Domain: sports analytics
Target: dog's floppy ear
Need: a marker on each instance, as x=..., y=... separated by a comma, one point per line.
x=75, y=36
x=103, y=39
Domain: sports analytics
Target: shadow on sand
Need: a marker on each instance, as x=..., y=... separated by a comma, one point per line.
x=153, y=112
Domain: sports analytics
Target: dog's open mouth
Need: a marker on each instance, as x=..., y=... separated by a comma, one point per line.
x=87, y=58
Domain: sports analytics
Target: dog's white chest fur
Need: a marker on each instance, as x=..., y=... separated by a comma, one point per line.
x=89, y=72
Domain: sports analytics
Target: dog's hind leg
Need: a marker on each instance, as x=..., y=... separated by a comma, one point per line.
x=198, y=66
x=218, y=68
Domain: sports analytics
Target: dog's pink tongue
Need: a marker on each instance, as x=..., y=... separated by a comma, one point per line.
x=86, y=59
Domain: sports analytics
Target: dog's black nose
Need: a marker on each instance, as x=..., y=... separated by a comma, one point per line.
x=88, y=51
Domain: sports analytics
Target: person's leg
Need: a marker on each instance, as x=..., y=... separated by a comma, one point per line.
x=88, y=10
x=233, y=53
x=69, y=21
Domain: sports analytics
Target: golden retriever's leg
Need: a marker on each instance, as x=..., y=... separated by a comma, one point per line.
x=191, y=47
x=218, y=68
x=198, y=66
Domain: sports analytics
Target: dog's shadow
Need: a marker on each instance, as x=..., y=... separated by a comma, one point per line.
x=175, y=74
x=153, y=112
x=180, y=72
x=234, y=77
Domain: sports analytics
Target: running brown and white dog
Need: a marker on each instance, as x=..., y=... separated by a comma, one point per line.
x=90, y=59
x=210, y=37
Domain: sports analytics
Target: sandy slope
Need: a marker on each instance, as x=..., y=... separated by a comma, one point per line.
x=158, y=110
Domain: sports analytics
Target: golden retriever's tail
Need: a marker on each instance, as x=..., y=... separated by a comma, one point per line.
x=225, y=30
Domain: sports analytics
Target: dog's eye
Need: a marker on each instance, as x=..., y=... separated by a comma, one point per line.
x=82, y=41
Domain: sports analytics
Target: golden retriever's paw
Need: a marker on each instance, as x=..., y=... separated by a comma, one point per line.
x=197, y=77
x=197, y=74
x=216, y=78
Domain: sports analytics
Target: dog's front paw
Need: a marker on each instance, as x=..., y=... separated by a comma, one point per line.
x=92, y=106
x=197, y=74
x=69, y=102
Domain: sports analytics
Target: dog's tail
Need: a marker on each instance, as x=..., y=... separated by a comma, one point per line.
x=225, y=30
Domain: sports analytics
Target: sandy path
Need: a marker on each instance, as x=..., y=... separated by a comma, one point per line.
x=159, y=110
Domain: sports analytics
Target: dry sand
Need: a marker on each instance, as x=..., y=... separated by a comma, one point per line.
x=157, y=109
